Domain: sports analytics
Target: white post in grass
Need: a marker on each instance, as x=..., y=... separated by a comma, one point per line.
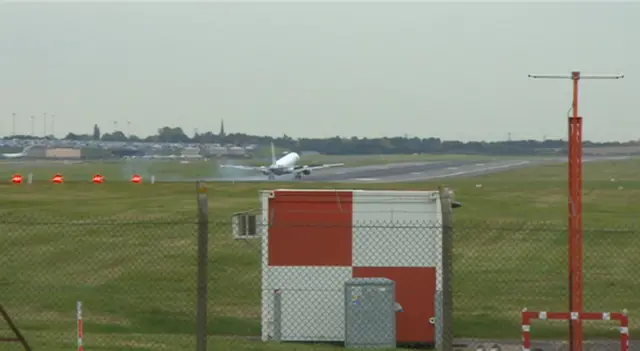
x=80, y=325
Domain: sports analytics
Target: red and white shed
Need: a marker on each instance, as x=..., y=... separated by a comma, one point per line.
x=316, y=240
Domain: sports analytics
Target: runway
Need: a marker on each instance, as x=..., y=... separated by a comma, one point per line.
x=410, y=172
x=394, y=173
x=382, y=173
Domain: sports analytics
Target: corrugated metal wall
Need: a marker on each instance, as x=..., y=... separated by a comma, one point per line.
x=37, y=152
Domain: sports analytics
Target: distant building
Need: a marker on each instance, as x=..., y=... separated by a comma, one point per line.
x=63, y=153
x=236, y=151
x=191, y=152
x=124, y=152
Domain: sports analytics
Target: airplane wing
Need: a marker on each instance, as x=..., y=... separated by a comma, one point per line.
x=317, y=167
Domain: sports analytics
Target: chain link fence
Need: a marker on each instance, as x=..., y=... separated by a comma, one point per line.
x=134, y=278
x=499, y=268
x=138, y=281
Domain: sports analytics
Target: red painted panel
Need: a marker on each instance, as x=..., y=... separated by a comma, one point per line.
x=415, y=291
x=310, y=228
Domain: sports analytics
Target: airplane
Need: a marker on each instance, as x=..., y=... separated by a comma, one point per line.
x=17, y=154
x=285, y=165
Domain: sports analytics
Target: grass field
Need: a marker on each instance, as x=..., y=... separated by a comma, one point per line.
x=128, y=252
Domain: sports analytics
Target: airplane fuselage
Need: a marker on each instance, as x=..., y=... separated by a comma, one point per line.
x=285, y=165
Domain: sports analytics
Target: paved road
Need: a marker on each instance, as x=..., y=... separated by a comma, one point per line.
x=413, y=172
x=542, y=345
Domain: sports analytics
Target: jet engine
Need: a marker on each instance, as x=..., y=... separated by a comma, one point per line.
x=306, y=170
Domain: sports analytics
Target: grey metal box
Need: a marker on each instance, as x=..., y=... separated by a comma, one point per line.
x=370, y=317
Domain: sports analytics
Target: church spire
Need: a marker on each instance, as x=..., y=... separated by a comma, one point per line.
x=221, y=127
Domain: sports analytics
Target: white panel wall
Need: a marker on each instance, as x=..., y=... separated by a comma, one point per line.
x=312, y=302
x=314, y=315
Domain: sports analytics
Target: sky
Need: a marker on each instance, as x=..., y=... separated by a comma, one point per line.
x=448, y=70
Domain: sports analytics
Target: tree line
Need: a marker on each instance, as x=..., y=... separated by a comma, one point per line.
x=346, y=145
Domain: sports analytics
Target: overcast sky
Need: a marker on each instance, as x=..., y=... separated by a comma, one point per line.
x=455, y=71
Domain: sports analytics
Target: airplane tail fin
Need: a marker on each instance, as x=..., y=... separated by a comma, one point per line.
x=273, y=154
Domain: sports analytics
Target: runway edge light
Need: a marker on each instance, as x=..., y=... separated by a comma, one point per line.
x=136, y=178
x=57, y=179
x=16, y=179
x=97, y=179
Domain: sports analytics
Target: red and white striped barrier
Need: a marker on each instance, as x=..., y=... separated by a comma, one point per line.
x=621, y=317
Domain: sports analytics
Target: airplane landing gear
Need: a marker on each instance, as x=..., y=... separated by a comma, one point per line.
x=272, y=177
x=298, y=176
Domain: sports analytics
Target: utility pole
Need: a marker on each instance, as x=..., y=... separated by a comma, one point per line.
x=53, y=125
x=13, y=129
x=44, y=126
x=575, y=204
x=129, y=128
x=115, y=126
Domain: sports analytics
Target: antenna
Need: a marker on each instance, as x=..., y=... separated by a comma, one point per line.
x=575, y=202
x=580, y=76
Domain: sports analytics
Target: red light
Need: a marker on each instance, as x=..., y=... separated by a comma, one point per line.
x=16, y=179
x=97, y=179
x=57, y=178
x=136, y=178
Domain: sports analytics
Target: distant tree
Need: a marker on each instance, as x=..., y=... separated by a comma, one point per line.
x=18, y=137
x=341, y=145
x=172, y=135
x=82, y=137
x=71, y=136
x=115, y=136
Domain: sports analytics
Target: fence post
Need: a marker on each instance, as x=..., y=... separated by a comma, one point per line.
x=203, y=262
x=447, y=269
x=19, y=337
